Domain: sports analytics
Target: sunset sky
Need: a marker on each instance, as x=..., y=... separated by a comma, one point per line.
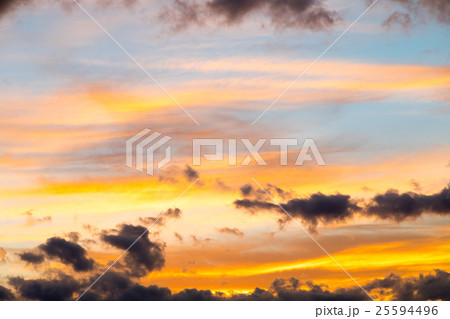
x=376, y=105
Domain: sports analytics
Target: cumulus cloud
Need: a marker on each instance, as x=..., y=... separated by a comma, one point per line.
x=32, y=258
x=312, y=210
x=424, y=287
x=144, y=256
x=68, y=253
x=320, y=208
x=118, y=286
x=403, y=206
x=6, y=294
x=292, y=289
x=56, y=289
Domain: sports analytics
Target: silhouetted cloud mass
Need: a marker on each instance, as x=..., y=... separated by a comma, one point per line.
x=68, y=253
x=32, y=258
x=320, y=208
x=144, y=256
x=306, y=14
x=57, y=289
x=190, y=174
x=6, y=294
x=119, y=286
x=402, y=206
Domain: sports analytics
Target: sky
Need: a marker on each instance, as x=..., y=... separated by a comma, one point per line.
x=376, y=104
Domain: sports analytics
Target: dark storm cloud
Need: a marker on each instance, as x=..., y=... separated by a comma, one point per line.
x=320, y=208
x=32, y=258
x=62, y=288
x=170, y=214
x=307, y=14
x=190, y=174
x=231, y=231
x=403, y=206
x=68, y=253
x=144, y=256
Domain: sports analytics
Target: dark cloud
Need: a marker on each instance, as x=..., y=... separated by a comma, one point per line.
x=320, y=208
x=61, y=288
x=195, y=295
x=424, y=287
x=32, y=258
x=306, y=14
x=119, y=286
x=143, y=256
x=396, y=206
x=231, y=231
x=246, y=190
x=68, y=253
x=7, y=6
x=257, y=295
x=312, y=210
x=292, y=289
x=190, y=174
x=170, y=214
x=6, y=294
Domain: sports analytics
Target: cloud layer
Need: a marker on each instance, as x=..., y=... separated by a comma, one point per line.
x=117, y=286
x=320, y=208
